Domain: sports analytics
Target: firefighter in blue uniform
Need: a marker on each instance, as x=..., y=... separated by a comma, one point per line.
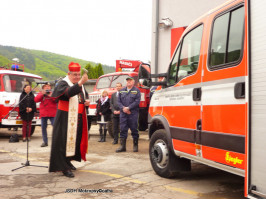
x=128, y=101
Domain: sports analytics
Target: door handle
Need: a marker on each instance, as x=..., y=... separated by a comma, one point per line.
x=239, y=90
x=198, y=132
x=196, y=94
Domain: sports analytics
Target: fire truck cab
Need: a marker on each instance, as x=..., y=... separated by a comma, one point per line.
x=211, y=107
x=12, y=81
x=124, y=69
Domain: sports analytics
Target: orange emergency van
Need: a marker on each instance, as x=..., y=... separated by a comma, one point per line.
x=211, y=107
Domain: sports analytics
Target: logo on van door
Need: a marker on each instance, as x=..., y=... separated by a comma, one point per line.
x=229, y=158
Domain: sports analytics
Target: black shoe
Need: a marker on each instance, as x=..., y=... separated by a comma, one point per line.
x=44, y=145
x=72, y=166
x=68, y=174
x=101, y=135
x=104, y=135
x=115, y=142
x=135, y=145
x=122, y=147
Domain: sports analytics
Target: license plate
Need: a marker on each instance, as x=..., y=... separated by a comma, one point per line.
x=19, y=122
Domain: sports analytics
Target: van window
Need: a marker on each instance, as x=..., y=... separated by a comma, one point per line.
x=189, y=57
x=15, y=83
x=173, y=68
x=186, y=62
x=104, y=82
x=227, y=38
x=120, y=79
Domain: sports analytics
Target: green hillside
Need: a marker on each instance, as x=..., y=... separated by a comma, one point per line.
x=48, y=65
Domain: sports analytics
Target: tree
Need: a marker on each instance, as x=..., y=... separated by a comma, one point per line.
x=99, y=70
x=91, y=71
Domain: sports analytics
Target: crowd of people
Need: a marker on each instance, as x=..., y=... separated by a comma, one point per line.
x=66, y=107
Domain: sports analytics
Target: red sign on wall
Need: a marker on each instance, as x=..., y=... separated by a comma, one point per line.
x=175, y=36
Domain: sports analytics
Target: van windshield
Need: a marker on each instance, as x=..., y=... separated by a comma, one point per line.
x=15, y=83
x=110, y=81
x=104, y=82
x=121, y=79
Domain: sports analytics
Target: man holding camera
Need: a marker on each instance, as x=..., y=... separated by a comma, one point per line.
x=48, y=108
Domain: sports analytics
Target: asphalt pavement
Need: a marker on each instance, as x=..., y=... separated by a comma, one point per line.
x=105, y=174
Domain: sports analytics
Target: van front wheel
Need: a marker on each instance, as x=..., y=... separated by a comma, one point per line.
x=110, y=128
x=32, y=130
x=162, y=158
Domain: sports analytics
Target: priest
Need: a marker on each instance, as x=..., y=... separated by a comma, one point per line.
x=70, y=131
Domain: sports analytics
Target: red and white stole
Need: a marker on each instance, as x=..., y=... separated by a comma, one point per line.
x=72, y=121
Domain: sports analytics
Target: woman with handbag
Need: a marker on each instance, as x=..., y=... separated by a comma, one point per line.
x=103, y=113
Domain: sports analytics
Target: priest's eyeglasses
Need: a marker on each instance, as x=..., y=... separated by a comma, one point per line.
x=76, y=74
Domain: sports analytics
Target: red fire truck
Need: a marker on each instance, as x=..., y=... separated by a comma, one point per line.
x=212, y=106
x=12, y=80
x=124, y=69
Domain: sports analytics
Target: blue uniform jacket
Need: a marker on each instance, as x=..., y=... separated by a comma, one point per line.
x=129, y=99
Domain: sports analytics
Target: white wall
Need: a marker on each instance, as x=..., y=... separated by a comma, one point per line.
x=182, y=13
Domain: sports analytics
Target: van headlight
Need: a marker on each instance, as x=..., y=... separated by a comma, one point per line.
x=13, y=114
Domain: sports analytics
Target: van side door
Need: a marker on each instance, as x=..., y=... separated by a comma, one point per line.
x=224, y=108
x=181, y=109
x=256, y=143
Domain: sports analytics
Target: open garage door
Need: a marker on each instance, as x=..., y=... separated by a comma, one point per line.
x=256, y=186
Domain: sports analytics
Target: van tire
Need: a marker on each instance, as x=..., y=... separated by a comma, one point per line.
x=143, y=124
x=32, y=130
x=162, y=159
x=110, y=128
x=89, y=119
x=143, y=119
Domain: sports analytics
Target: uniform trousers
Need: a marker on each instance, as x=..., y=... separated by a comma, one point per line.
x=116, y=128
x=129, y=122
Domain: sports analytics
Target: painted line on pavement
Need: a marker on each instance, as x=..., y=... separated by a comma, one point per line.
x=20, y=156
x=115, y=176
x=182, y=190
x=13, y=154
x=191, y=192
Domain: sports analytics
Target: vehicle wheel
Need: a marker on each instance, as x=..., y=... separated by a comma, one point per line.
x=163, y=160
x=32, y=130
x=89, y=122
x=110, y=128
x=143, y=125
x=143, y=119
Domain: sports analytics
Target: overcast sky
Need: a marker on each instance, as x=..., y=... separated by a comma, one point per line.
x=94, y=30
